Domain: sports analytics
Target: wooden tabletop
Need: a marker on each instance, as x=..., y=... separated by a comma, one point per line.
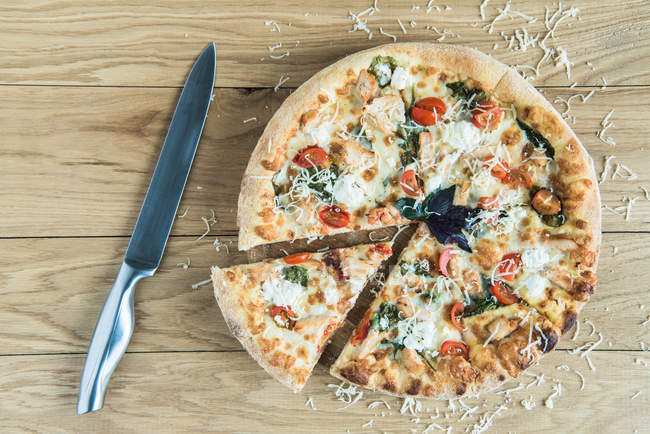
x=87, y=89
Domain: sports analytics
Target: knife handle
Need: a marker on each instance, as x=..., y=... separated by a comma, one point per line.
x=110, y=339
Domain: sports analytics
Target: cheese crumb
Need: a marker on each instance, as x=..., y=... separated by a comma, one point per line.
x=201, y=283
x=605, y=125
x=282, y=80
x=184, y=213
x=184, y=265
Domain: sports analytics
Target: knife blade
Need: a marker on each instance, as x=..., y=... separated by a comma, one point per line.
x=147, y=244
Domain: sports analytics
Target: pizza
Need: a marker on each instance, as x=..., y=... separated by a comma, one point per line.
x=444, y=326
x=506, y=197
x=283, y=311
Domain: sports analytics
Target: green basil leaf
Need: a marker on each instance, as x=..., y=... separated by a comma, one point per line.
x=296, y=274
x=383, y=80
x=537, y=139
x=409, y=208
x=386, y=317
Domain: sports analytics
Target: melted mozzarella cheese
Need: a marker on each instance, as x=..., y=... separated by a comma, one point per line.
x=321, y=135
x=535, y=259
x=330, y=291
x=461, y=135
x=281, y=292
x=484, y=183
x=415, y=334
x=400, y=78
x=348, y=191
x=421, y=335
x=533, y=287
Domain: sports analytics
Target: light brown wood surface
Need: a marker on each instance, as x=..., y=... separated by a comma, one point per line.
x=93, y=147
x=86, y=93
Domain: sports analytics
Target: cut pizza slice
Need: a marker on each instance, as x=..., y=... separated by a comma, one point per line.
x=436, y=330
x=283, y=311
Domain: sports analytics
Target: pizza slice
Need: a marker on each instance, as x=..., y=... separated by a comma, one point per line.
x=437, y=330
x=283, y=311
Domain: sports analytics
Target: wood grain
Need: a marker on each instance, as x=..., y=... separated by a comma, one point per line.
x=87, y=92
x=153, y=43
x=78, y=160
x=225, y=392
x=51, y=306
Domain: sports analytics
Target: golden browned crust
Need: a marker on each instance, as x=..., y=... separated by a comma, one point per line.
x=239, y=329
x=575, y=183
x=267, y=157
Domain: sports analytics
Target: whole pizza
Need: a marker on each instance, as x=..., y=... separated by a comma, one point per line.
x=505, y=253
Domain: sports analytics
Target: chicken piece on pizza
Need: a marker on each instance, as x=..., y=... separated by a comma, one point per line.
x=283, y=311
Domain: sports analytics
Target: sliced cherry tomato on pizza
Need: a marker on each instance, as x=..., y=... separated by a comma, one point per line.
x=500, y=169
x=456, y=315
x=443, y=261
x=297, y=258
x=432, y=104
x=487, y=202
x=313, y=156
x=409, y=183
x=487, y=115
x=283, y=316
x=519, y=177
x=503, y=294
x=428, y=111
x=509, y=266
x=546, y=202
x=454, y=348
x=361, y=332
x=334, y=216
x=382, y=248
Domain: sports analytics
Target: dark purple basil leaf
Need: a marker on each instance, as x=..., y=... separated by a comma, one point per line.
x=458, y=214
x=459, y=239
x=440, y=202
x=447, y=230
x=471, y=218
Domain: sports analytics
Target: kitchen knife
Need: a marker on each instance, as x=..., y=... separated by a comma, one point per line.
x=115, y=325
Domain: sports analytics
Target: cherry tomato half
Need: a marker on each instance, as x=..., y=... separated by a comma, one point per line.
x=546, y=202
x=297, y=258
x=283, y=316
x=454, y=348
x=487, y=116
x=428, y=111
x=409, y=183
x=313, y=156
x=443, y=261
x=519, y=177
x=486, y=202
x=334, y=216
x=382, y=248
x=509, y=266
x=502, y=294
x=500, y=170
x=361, y=332
x=456, y=312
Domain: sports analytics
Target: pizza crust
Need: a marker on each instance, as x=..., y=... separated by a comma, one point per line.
x=239, y=330
x=577, y=173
